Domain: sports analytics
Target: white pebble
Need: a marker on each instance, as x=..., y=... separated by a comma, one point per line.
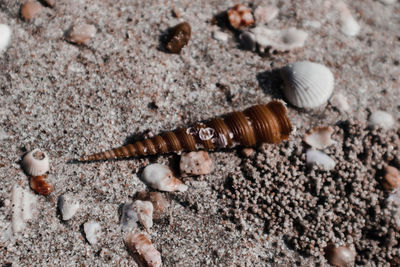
x=138, y=211
x=68, y=205
x=340, y=102
x=5, y=37
x=92, y=232
x=160, y=177
x=349, y=26
x=381, y=119
x=315, y=157
x=220, y=36
x=23, y=207
x=264, y=14
x=81, y=33
x=195, y=163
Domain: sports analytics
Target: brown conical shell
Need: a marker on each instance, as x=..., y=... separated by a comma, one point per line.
x=255, y=125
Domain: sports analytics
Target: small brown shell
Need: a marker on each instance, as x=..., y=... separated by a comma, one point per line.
x=30, y=10
x=40, y=185
x=178, y=37
x=255, y=125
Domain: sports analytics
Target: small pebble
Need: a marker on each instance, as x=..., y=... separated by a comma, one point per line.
x=340, y=102
x=5, y=37
x=92, y=232
x=220, y=36
x=381, y=119
x=248, y=41
x=392, y=178
x=178, y=36
x=195, y=163
x=143, y=250
x=31, y=10
x=160, y=177
x=248, y=152
x=160, y=203
x=340, y=256
x=240, y=16
x=318, y=158
x=81, y=33
x=138, y=211
x=68, y=205
x=23, y=208
x=265, y=14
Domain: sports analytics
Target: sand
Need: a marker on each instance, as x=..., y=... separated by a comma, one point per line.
x=72, y=100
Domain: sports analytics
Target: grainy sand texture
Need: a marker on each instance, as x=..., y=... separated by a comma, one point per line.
x=267, y=208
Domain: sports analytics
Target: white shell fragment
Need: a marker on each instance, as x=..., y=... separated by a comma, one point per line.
x=92, y=232
x=138, y=211
x=349, y=26
x=5, y=37
x=307, y=84
x=381, y=119
x=68, y=205
x=36, y=163
x=340, y=102
x=160, y=203
x=393, y=205
x=160, y=177
x=220, y=36
x=195, y=163
x=81, y=33
x=141, y=246
x=318, y=158
x=319, y=137
x=279, y=40
x=23, y=207
x=265, y=14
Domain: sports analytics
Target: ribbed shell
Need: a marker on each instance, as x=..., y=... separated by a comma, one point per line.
x=307, y=84
x=255, y=125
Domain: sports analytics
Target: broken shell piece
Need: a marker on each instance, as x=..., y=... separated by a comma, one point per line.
x=349, y=26
x=240, y=16
x=381, y=119
x=68, y=205
x=340, y=102
x=248, y=41
x=340, y=256
x=279, y=40
x=81, y=33
x=30, y=10
x=143, y=250
x=264, y=14
x=138, y=211
x=160, y=203
x=40, y=185
x=220, y=36
x=23, y=207
x=392, y=178
x=36, y=163
x=5, y=37
x=195, y=163
x=319, y=137
x=160, y=177
x=393, y=205
x=307, y=84
x=92, y=232
x=320, y=159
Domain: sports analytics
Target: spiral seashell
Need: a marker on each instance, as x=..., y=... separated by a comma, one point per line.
x=36, y=163
x=307, y=84
x=255, y=125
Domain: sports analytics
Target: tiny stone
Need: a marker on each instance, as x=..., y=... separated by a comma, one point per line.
x=68, y=205
x=160, y=177
x=240, y=16
x=391, y=178
x=81, y=33
x=381, y=119
x=248, y=41
x=30, y=10
x=195, y=163
x=178, y=37
x=138, y=211
x=340, y=102
x=340, y=256
x=265, y=14
x=92, y=232
x=318, y=158
x=220, y=36
x=248, y=152
x=160, y=203
x=143, y=249
x=5, y=38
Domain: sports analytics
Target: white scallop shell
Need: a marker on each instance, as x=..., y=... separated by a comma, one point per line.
x=307, y=84
x=36, y=163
